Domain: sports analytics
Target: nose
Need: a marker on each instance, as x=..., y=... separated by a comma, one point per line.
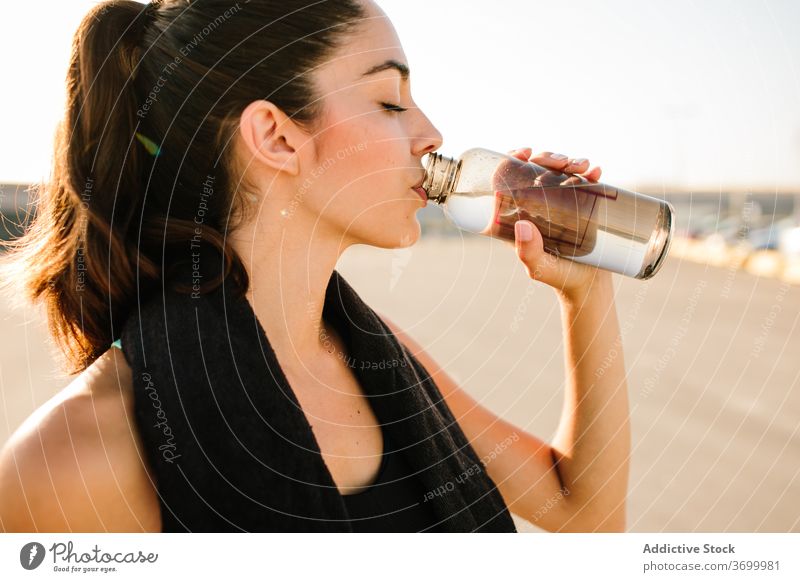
x=428, y=137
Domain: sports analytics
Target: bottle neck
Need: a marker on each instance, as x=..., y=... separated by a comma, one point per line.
x=440, y=177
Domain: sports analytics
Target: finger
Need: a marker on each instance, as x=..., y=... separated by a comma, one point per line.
x=539, y=264
x=528, y=240
x=593, y=175
x=521, y=153
x=551, y=161
x=577, y=166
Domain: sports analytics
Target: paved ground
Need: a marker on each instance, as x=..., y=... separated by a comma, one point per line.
x=713, y=358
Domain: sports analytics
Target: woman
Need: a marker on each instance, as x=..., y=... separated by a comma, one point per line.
x=265, y=138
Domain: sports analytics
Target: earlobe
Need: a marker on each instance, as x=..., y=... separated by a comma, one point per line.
x=270, y=136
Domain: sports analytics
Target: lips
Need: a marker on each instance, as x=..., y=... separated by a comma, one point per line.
x=420, y=190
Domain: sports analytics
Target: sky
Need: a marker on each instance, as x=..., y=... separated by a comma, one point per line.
x=686, y=94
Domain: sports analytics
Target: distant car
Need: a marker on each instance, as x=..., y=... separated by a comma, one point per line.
x=731, y=230
x=769, y=236
x=700, y=226
x=789, y=242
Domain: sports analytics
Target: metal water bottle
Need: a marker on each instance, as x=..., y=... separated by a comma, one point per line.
x=486, y=192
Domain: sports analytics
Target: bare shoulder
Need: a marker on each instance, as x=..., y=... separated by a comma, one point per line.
x=76, y=464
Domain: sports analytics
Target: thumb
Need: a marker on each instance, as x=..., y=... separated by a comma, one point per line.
x=529, y=243
x=526, y=235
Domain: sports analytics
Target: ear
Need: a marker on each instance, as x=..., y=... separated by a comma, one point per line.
x=271, y=137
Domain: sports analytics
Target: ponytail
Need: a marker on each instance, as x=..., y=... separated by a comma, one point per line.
x=144, y=169
x=74, y=257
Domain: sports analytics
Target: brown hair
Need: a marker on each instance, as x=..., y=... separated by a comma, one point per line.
x=143, y=164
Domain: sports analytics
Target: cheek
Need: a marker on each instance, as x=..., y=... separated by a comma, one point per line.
x=373, y=141
x=362, y=199
x=363, y=167
x=361, y=184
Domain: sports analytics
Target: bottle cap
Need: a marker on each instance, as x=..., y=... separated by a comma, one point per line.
x=441, y=174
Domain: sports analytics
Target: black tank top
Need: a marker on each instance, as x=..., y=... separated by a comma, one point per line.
x=395, y=502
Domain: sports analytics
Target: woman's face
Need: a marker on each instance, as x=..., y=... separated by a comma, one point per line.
x=358, y=181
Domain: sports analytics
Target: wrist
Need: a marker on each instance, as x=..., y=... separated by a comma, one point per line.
x=598, y=283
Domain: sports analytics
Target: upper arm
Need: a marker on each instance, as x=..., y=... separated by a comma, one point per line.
x=521, y=465
x=73, y=469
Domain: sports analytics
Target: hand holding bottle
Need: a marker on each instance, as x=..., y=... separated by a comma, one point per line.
x=566, y=276
x=571, y=224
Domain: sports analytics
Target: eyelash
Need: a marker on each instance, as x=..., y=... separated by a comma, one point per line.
x=393, y=108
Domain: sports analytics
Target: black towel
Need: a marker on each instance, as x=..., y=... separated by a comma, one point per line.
x=229, y=446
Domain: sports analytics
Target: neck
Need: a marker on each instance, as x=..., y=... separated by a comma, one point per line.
x=289, y=268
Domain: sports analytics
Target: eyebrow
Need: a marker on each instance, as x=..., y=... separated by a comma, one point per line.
x=401, y=68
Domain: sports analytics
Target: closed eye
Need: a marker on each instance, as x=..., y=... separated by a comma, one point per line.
x=392, y=107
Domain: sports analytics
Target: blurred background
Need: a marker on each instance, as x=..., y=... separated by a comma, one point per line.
x=697, y=103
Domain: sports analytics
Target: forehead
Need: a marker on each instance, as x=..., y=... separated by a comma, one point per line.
x=367, y=47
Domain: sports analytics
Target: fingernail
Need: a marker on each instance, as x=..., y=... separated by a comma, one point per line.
x=523, y=231
x=578, y=162
x=558, y=156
